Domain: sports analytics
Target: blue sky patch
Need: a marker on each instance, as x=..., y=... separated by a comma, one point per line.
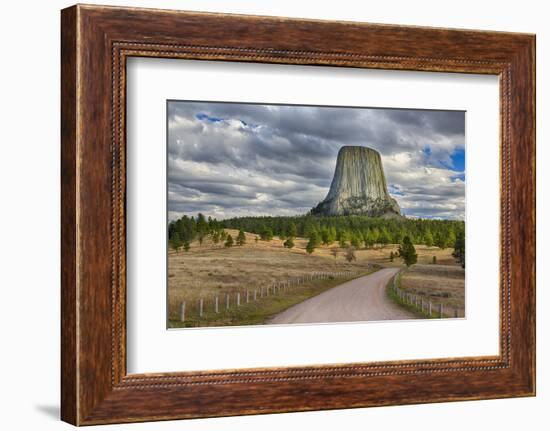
x=458, y=162
x=394, y=190
x=205, y=117
x=458, y=158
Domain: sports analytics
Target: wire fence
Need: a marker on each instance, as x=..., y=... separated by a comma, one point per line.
x=424, y=304
x=207, y=305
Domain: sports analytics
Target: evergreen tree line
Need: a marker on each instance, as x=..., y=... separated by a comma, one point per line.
x=347, y=231
x=187, y=229
x=357, y=231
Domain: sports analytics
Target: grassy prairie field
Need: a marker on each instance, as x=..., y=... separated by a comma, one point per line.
x=440, y=284
x=210, y=270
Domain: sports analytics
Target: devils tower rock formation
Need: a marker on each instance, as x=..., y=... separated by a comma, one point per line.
x=358, y=186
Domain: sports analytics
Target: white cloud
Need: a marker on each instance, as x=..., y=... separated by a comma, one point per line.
x=228, y=160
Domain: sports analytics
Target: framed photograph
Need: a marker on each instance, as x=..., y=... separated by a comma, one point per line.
x=265, y=215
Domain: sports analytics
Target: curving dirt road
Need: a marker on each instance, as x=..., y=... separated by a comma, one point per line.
x=362, y=299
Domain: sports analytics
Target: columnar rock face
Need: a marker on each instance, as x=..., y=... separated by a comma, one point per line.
x=358, y=186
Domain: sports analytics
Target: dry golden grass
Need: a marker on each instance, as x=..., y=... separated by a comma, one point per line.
x=211, y=269
x=425, y=255
x=442, y=284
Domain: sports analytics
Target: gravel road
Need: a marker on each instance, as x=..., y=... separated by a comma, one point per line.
x=362, y=299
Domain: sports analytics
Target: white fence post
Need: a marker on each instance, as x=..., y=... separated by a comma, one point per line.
x=182, y=311
x=200, y=307
x=216, y=308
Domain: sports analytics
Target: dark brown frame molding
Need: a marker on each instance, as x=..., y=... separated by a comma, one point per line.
x=95, y=43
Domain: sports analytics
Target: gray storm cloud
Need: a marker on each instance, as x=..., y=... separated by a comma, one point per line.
x=229, y=160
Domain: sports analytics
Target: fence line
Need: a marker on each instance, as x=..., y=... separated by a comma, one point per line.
x=211, y=302
x=422, y=303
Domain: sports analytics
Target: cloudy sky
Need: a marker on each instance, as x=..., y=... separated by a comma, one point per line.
x=233, y=159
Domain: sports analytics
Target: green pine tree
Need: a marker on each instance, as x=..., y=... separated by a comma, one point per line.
x=398, y=236
x=175, y=242
x=428, y=238
x=292, y=231
x=313, y=242
x=355, y=240
x=384, y=237
x=216, y=237
x=309, y=227
x=289, y=243
x=331, y=235
x=343, y=239
x=241, y=238
x=325, y=236
x=451, y=239
x=202, y=228
x=459, y=252
x=440, y=240
x=407, y=251
x=229, y=241
x=367, y=239
x=266, y=234
x=375, y=236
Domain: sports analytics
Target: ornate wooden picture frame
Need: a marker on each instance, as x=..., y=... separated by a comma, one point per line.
x=96, y=42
